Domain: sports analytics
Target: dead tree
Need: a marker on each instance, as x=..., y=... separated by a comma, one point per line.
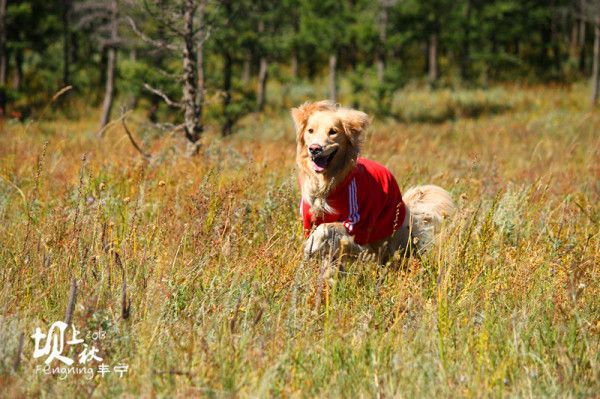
x=111, y=63
x=184, y=34
x=193, y=128
x=102, y=17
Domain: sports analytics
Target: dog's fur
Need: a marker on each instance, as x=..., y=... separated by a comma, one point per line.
x=339, y=131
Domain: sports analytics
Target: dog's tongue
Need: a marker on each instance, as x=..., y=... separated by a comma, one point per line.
x=319, y=164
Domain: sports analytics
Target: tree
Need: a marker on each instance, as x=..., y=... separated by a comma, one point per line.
x=596, y=67
x=382, y=25
x=193, y=126
x=3, y=58
x=103, y=20
x=184, y=37
x=263, y=70
x=200, y=40
x=590, y=12
x=235, y=40
x=111, y=63
x=66, y=12
x=324, y=23
x=227, y=53
x=465, y=50
x=3, y=52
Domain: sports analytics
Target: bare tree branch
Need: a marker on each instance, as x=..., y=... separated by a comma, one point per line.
x=101, y=132
x=139, y=149
x=159, y=93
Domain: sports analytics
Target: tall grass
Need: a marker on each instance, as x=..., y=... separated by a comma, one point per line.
x=222, y=303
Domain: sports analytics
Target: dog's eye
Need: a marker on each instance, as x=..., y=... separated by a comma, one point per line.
x=311, y=130
x=332, y=132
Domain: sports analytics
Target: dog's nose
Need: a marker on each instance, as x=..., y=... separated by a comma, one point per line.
x=315, y=149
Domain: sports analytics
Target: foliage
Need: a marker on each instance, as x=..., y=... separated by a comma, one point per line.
x=480, y=42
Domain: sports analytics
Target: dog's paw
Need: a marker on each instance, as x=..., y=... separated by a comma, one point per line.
x=324, y=240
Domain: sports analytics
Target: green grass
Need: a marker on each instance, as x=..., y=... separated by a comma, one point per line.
x=221, y=302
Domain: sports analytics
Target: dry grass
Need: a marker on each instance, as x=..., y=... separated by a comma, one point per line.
x=221, y=304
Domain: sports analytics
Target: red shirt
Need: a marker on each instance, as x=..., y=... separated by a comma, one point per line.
x=368, y=202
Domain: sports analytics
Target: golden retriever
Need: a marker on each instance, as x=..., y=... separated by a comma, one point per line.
x=351, y=204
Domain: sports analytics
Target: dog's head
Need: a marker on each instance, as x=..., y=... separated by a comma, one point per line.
x=328, y=137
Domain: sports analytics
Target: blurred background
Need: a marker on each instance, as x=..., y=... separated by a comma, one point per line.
x=197, y=63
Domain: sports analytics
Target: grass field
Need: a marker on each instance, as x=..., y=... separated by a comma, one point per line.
x=208, y=252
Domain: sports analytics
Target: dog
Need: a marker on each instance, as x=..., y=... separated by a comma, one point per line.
x=352, y=205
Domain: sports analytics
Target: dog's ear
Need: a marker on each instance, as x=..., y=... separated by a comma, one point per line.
x=354, y=122
x=301, y=114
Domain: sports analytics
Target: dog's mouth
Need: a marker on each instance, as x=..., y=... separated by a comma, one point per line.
x=320, y=162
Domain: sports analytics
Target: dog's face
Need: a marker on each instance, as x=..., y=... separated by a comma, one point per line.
x=328, y=137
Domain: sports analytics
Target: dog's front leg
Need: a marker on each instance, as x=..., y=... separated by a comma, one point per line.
x=330, y=240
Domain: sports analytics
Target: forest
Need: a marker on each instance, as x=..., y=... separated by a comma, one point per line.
x=195, y=63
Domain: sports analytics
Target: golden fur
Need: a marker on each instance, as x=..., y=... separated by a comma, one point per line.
x=337, y=132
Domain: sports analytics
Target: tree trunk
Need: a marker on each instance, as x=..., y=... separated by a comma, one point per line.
x=192, y=126
x=433, y=57
x=227, y=127
x=543, y=56
x=3, y=51
x=582, y=46
x=155, y=100
x=382, y=28
x=425, y=51
x=246, y=68
x=111, y=63
x=332, y=77
x=294, y=64
x=465, y=53
x=263, y=74
x=18, y=76
x=109, y=88
x=66, y=11
x=555, y=40
x=596, y=62
x=200, y=58
x=3, y=58
x=574, y=40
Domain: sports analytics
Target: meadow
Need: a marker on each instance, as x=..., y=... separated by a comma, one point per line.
x=193, y=269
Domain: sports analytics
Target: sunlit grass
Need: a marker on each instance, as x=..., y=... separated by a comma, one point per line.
x=222, y=304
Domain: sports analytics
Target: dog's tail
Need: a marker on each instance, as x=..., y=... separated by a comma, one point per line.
x=427, y=207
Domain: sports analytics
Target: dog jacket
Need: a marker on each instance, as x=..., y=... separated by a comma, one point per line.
x=368, y=202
